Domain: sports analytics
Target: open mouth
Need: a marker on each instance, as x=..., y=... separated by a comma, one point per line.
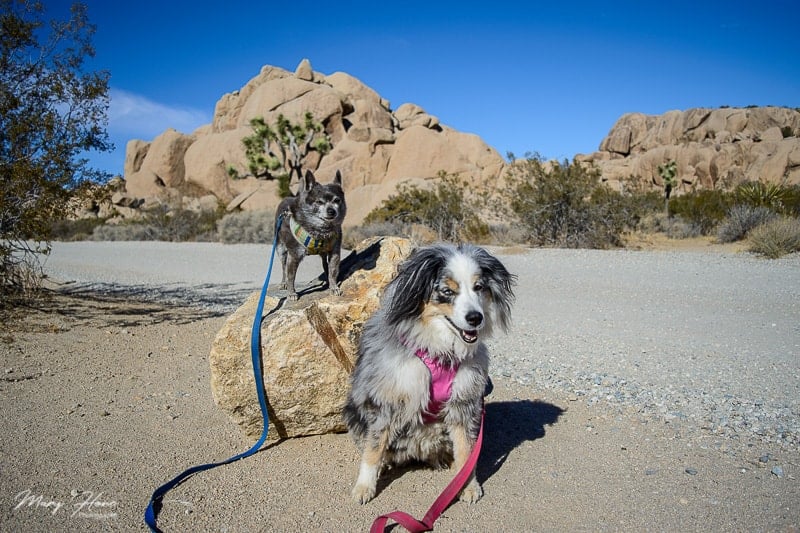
x=468, y=336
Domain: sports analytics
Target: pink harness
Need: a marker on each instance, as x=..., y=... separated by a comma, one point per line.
x=441, y=384
x=441, y=387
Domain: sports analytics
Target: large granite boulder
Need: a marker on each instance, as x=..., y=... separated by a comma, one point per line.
x=308, y=348
x=713, y=148
x=373, y=146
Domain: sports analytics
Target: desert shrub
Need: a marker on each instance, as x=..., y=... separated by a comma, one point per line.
x=353, y=236
x=247, y=227
x=672, y=227
x=53, y=109
x=740, y=220
x=179, y=225
x=75, y=230
x=791, y=201
x=702, y=209
x=507, y=234
x=162, y=223
x=563, y=204
x=127, y=231
x=776, y=238
x=448, y=209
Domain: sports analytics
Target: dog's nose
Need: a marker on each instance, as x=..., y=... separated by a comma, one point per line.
x=474, y=318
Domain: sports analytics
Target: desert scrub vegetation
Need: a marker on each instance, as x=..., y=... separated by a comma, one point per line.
x=451, y=209
x=247, y=227
x=702, y=210
x=741, y=220
x=163, y=223
x=565, y=205
x=776, y=238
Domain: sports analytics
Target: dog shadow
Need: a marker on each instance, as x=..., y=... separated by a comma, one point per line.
x=508, y=425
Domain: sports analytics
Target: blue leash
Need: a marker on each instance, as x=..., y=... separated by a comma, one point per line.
x=255, y=351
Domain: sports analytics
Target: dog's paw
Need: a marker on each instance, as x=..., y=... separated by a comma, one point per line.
x=293, y=297
x=472, y=493
x=363, y=493
x=336, y=291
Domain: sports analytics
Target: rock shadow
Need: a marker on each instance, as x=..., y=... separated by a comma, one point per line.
x=355, y=261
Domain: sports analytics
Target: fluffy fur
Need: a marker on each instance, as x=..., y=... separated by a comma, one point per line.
x=320, y=211
x=444, y=300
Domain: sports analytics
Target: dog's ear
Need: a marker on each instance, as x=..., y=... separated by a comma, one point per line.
x=337, y=179
x=414, y=283
x=500, y=283
x=308, y=181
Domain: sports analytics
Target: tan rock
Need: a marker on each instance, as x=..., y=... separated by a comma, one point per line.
x=420, y=152
x=304, y=71
x=144, y=184
x=713, y=148
x=409, y=115
x=359, y=122
x=229, y=107
x=165, y=157
x=360, y=163
x=352, y=88
x=619, y=140
x=135, y=152
x=308, y=349
x=206, y=162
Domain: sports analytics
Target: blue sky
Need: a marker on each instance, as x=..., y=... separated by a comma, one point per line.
x=550, y=77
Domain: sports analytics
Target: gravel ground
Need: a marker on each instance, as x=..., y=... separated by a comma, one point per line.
x=706, y=341
x=635, y=391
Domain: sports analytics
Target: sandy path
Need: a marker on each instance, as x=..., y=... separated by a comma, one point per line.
x=106, y=396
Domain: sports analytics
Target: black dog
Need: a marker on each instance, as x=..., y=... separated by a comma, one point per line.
x=312, y=225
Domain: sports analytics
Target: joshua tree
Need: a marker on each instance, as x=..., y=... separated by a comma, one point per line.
x=277, y=151
x=668, y=172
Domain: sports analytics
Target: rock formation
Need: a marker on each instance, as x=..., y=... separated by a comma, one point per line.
x=374, y=147
x=712, y=147
x=308, y=348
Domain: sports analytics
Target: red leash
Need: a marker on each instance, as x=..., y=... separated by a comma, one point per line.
x=442, y=502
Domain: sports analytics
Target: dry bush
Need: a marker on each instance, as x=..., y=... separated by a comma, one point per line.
x=247, y=227
x=741, y=220
x=776, y=238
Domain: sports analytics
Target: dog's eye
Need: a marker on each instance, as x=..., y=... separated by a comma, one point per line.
x=479, y=286
x=447, y=292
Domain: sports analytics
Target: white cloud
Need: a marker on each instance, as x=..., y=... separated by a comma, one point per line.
x=137, y=117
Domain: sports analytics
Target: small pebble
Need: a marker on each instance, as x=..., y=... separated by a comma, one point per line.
x=777, y=471
x=691, y=471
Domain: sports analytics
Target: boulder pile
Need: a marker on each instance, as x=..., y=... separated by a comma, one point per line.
x=374, y=146
x=713, y=148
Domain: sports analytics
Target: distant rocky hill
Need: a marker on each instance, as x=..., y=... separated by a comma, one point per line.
x=712, y=147
x=377, y=147
x=374, y=146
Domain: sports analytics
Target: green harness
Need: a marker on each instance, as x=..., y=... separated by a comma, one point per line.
x=313, y=246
